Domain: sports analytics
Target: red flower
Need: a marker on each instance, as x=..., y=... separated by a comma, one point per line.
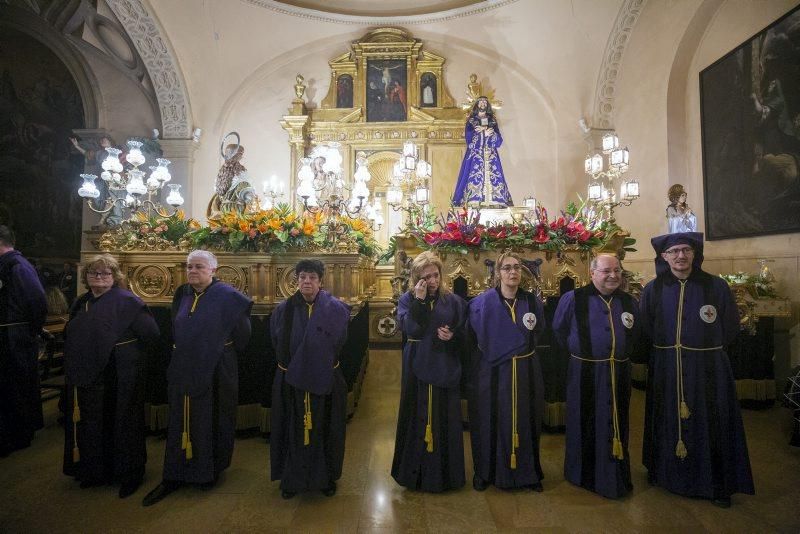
x=474, y=240
x=252, y=233
x=432, y=237
x=558, y=223
x=584, y=236
x=541, y=235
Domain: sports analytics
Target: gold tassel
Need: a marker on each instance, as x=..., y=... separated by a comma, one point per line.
x=513, y=460
x=76, y=416
x=308, y=421
x=76, y=410
x=516, y=440
x=429, y=426
x=184, y=440
x=76, y=454
x=429, y=437
x=189, y=450
x=306, y=437
x=685, y=413
x=680, y=450
x=184, y=435
x=188, y=435
x=617, y=449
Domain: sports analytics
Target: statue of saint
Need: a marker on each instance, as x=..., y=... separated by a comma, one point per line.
x=233, y=191
x=680, y=216
x=481, y=179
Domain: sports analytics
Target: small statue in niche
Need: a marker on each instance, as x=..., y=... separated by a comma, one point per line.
x=299, y=87
x=680, y=217
x=233, y=191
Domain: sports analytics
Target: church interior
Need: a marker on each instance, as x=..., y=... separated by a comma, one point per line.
x=272, y=131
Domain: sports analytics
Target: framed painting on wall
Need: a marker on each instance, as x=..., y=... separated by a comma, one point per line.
x=387, y=87
x=750, y=121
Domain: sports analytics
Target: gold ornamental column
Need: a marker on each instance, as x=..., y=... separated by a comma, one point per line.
x=296, y=125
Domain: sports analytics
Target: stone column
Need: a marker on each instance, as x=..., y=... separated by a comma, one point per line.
x=181, y=153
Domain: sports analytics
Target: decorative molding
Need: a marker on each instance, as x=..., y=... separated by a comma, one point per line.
x=612, y=61
x=336, y=18
x=161, y=64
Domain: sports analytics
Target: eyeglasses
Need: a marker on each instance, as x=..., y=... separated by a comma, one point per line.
x=98, y=274
x=509, y=268
x=606, y=272
x=672, y=253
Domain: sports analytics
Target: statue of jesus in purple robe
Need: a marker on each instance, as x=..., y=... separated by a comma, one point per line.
x=481, y=179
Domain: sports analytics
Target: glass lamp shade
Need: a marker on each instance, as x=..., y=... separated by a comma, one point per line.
x=378, y=219
x=397, y=170
x=409, y=150
x=129, y=200
x=587, y=164
x=610, y=142
x=174, y=198
x=355, y=205
x=360, y=191
x=153, y=183
x=333, y=159
x=135, y=156
x=305, y=172
x=112, y=163
x=630, y=190
x=362, y=173
x=312, y=201
x=596, y=164
x=619, y=159
x=370, y=212
x=88, y=189
x=305, y=190
x=409, y=163
x=161, y=173
x=421, y=195
x=530, y=203
x=423, y=169
x=394, y=196
x=135, y=184
x=595, y=191
x=106, y=176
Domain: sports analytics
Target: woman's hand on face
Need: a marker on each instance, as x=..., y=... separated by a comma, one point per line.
x=444, y=333
x=421, y=289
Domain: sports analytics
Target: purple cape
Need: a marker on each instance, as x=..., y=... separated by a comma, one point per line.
x=200, y=338
x=311, y=350
x=90, y=336
x=478, y=163
x=489, y=315
x=432, y=360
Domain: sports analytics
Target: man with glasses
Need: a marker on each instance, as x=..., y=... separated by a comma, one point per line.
x=598, y=325
x=694, y=442
x=23, y=310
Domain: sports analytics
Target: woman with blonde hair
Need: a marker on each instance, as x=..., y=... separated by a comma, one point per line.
x=506, y=400
x=429, y=450
x=106, y=339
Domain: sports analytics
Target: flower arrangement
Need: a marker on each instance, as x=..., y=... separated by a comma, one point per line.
x=461, y=231
x=752, y=283
x=169, y=227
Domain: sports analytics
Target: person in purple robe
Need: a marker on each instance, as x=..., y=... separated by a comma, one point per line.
x=210, y=325
x=23, y=310
x=694, y=442
x=105, y=348
x=309, y=393
x=598, y=325
x=481, y=179
x=506, y=398
x=429, y=447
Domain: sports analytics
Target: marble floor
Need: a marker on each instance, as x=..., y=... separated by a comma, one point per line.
x=36, y=497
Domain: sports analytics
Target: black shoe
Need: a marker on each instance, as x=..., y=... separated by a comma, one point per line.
x=538, y=488
x=330, y=491
x=288, y=494
x=162, y=490
x=129, y=488
x=721, y=502
x=478, y=483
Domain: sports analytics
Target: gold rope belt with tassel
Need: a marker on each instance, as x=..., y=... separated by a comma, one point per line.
x=186, y=436
x=307, y=418
x=13, y=324
x=683, y=407
x=514, y=409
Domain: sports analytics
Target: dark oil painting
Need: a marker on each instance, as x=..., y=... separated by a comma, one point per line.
x=750, y=117
x=387, y=86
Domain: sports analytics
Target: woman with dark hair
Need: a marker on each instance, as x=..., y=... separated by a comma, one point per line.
x=104, y=356
x=429, y=449
x=680, y=216
x=481, y=179
x=506, y=400
x=309, y=393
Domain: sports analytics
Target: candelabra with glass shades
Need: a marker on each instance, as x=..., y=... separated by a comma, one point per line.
x=128, y=191
x=606, y=170
x=323, y=189
x=409, y=190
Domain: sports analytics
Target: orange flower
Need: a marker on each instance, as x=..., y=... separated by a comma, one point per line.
x=275, y=224
x=263, y=228
x=308, y=227
x=290, y=218
x=194, y=225
x=244, y=226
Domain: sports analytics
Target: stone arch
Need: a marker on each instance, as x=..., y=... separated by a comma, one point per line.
x=156, y=52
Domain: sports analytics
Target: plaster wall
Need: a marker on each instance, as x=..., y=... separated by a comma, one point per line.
x=665, y=139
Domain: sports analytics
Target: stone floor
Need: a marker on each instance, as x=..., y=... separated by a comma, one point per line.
x=36, y=497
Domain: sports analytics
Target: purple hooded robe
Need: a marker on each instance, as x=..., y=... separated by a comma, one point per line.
x=694, y=442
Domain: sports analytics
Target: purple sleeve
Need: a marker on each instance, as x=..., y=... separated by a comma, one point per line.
x=469, y=132
x=241, y=332
x=541, y=320
x=729, y=312
x=29, y=295
x=406, y=317
x=562, y=320
x=496, y=140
